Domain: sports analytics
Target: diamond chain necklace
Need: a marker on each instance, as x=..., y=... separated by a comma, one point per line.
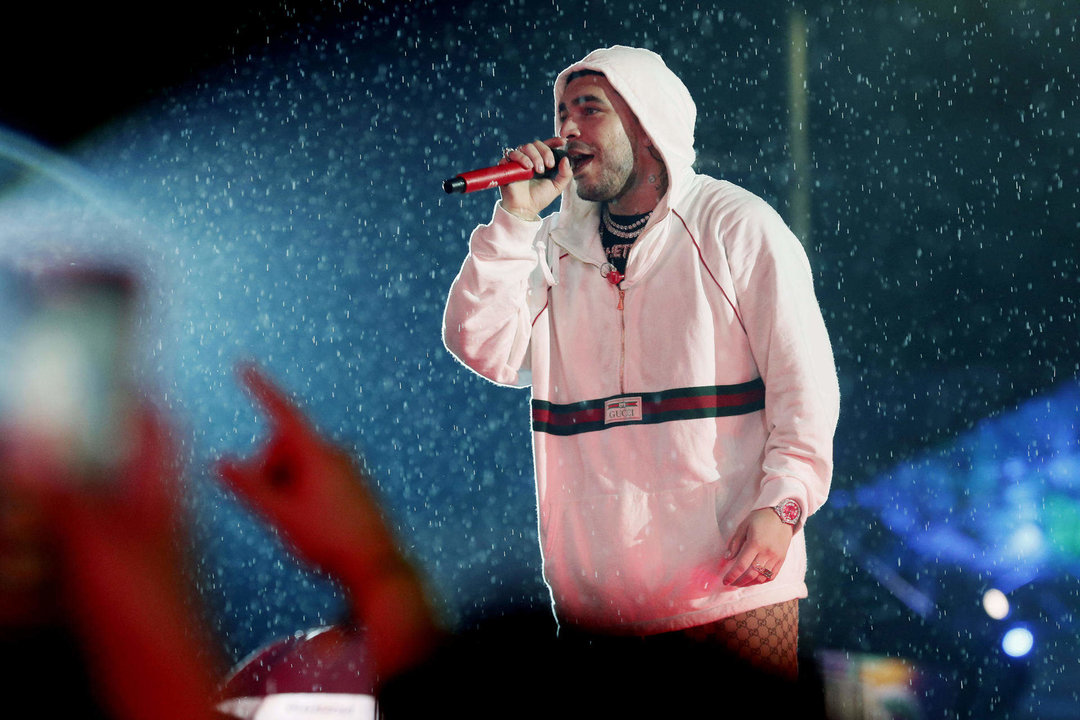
x=627, y=232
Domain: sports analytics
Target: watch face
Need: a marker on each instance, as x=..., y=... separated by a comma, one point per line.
x=789, y=511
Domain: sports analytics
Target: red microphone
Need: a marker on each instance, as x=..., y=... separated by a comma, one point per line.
x=498, y=175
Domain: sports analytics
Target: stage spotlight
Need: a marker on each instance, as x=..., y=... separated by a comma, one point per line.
x=1017, y=642
x=996, y=604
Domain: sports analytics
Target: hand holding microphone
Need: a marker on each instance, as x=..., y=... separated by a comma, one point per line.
x=534, y=161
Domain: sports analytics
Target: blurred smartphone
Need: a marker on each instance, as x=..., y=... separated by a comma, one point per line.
x=68, y=370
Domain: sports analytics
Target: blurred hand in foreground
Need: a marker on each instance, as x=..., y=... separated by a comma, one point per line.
x=105, y=553
x=319, y=500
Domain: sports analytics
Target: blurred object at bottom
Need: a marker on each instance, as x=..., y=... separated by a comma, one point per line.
x=321, y=673
x=868, y=687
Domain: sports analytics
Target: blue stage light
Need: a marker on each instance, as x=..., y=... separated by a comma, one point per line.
x=1018, y=642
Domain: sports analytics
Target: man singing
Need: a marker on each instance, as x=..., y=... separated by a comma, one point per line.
x=684, y=395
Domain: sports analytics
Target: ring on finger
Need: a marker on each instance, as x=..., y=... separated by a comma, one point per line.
x=765, y=572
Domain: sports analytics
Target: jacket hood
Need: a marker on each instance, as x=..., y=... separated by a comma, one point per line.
x=654, y=93
x=661, y=103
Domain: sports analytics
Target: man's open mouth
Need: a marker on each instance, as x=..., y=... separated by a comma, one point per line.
x=578, y=160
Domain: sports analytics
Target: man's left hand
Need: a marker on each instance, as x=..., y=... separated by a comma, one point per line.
x=758, y=548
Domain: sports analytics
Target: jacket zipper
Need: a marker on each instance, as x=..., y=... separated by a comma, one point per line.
x=622, y=320
x=622, y=341
x=622, y=317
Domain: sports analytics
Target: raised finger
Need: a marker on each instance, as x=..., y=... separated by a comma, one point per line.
x=238, y=474
x=272, y=399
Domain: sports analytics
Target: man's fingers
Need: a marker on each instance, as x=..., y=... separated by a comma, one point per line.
x=748, y=572
x=547, y=150
x=737, y=540
x=520, y=158
x=546, y=155
x=758, y=573
x=274, y=400
x=537, y=155
x=749, y=564
x=737, y=568
x=527, y=156
x=566, y=174
x=235, y=474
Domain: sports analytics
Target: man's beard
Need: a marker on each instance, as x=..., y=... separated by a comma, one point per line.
x=613, y=181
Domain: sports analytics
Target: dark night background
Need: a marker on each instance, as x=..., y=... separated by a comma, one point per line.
x=291, y=155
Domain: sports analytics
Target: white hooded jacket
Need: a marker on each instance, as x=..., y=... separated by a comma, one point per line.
x=667, y=408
